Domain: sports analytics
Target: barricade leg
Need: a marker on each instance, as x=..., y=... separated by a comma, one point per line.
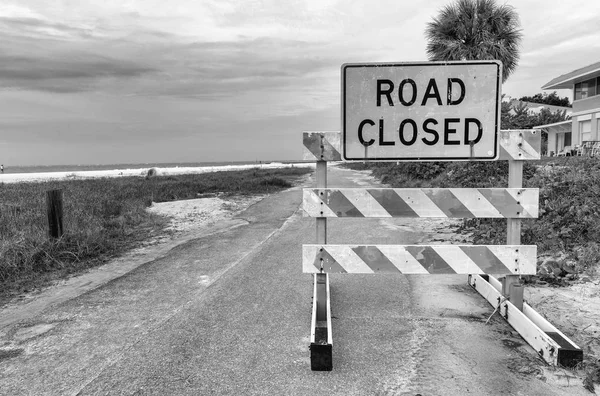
x=321, y=345
x=512, y=287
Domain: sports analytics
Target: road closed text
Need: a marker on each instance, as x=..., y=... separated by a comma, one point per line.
x=451, y=112
x=448, y=131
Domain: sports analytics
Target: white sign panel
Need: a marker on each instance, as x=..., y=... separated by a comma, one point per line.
x=421, y=111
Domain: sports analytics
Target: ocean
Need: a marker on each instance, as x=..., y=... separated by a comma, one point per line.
x=79, y=168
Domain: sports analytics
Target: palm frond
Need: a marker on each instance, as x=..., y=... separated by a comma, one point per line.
x=475, y=30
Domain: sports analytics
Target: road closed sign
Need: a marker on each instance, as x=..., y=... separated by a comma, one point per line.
x=421, y=111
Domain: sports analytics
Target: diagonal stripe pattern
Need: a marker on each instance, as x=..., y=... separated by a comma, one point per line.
x=322, y=146
x=425, y=202
x=520, y=144
x=420, y=259
x=514, y=145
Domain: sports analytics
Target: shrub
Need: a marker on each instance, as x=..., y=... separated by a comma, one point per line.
x=569, y=216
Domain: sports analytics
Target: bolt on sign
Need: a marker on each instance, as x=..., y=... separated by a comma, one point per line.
x=421, y=111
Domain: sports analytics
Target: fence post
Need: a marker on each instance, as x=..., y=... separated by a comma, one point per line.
x=54, y=206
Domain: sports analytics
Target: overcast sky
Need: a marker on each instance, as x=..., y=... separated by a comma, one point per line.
x=127, y=81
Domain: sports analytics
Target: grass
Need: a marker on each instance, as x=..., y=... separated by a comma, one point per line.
x=102, y=219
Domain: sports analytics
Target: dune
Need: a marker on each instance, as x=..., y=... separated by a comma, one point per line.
x=48, y=176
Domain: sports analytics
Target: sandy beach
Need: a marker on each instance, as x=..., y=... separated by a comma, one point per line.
x=47, y=176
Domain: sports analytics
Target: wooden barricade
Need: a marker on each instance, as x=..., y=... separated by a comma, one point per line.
x=513, y=203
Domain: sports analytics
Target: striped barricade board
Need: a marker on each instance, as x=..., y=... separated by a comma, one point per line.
x=421, y=202
x=420, y=259
x=514, y=145
x=322, y=146
x=520, y=144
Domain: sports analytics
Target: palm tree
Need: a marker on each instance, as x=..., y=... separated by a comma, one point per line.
x=475, y=30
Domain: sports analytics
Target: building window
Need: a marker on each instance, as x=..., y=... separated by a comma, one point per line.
x=587, y=88
x=585, y=129
x=591, y=87
x=567, y=139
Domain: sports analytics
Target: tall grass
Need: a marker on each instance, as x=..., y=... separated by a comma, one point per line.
x=102, y=218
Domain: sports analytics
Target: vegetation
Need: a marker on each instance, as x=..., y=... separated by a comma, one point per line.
x=550, y=99
x=103, y=217
x=569, y=219
x=475, y=30
x=520, y=117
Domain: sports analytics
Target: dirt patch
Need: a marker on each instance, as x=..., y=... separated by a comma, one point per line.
x=574, y=310
x=192, y=214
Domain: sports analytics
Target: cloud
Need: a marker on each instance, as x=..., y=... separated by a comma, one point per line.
x=35, y=27
x=38, y=54
x=74, y=73
x=214, y=74
x=147, y=62
x=23, y=68
x=213, y=51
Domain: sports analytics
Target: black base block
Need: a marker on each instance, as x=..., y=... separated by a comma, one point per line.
x=321, y=357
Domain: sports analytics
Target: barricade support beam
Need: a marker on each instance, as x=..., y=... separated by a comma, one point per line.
x=549, y=342
x=321, y=343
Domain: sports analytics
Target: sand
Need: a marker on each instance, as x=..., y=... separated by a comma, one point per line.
x=194, y=214
x=574, y=310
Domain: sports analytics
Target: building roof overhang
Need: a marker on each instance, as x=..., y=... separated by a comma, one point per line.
x=566, y=81
x=562, y=126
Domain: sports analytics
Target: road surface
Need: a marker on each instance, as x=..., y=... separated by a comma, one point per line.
x=229, y=314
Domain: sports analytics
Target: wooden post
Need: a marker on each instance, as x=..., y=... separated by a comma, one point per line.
x=513, y=237
x=54, y=205
x=321, y=223
x=321, y=183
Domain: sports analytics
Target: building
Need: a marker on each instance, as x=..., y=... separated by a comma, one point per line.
x=584, y=127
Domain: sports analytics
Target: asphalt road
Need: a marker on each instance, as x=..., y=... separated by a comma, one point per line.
x=229, y=314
